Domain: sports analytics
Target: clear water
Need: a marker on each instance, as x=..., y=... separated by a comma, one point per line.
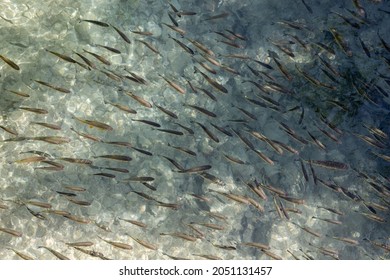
x=29, y=30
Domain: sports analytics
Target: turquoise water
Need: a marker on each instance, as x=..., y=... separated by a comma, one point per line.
x=206, y=196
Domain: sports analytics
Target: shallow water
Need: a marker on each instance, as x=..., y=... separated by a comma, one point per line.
x=354, y=100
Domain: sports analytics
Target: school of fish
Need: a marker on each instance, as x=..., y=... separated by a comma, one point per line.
x=195, y=130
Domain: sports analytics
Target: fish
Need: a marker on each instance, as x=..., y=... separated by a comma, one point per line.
x=35, y=110
x=373, y=217
x=150, y=46
x=175, y=163
x=62, y=56
x=202, y=110
x=235, y=197
x=346, y=240
x=234, y=159
x=237, y=35
x=77, y=219
x=215, y=84
x=30, y=159
x=244, y=140
x=183, y=149
x=327, y=251
x=335, y=211
x=96, y=22
x=210, y=225
x=181, y=235
x=144, y=33
x=292, y=199
x=92, y=253
x=283, y=47
x=79, y=202
x=257, y=189
x=123, y=35
x=335, y=222
x=94, y=123
x=247, y=113
x=9, y=130
x=144, y=243
x=137, y=78
x=223, y=130
x=308, y=230
x=99, y=57
x=230, y=38
x=382, y=156
x=304, y=172
x=75, y=188
x=341, y=42
x=175, y=86
x=360, y=10
x=188, y=129
x=376, y=131
x=283, y=69
x=76, y=160
x=173, y=206
x=19, y=93
x=111, y=49
x=317, y=142
x=330, y=164
x=10, y=62
x=152, y=123
x=86, y=135
x=209, y=133
x=185, y=13
x=348, y=21
x=122, y=107
x=135, y=222
x=139, y=99
x=142, y=151
x=264, y=157
x=324, y=47
x=203, y=48
x=7, y=20
x=293, y=24
x=80, y=244
x=119, y=245
x=22, y=255
x=224, y=247
x=218, y=16
x=66, y=193
x=166, y=111
x=175, y=28
x=86, y=60
x=230, y=43
x=272, y=255
x=34, y=203
x=195, y=169
x=48, y=125
x=12, y=232
x=262, y=137
x=57, y=88
x=174, y=132
x=115, y=157
x=140, y=179
x=55, y=253
x=182, y=45
x=314, y=81
x=383, y=42
x=294, y=256
x=208, y=93
x=58, y=140
x=308, y=8
x=111, y=75
x=104, y=174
